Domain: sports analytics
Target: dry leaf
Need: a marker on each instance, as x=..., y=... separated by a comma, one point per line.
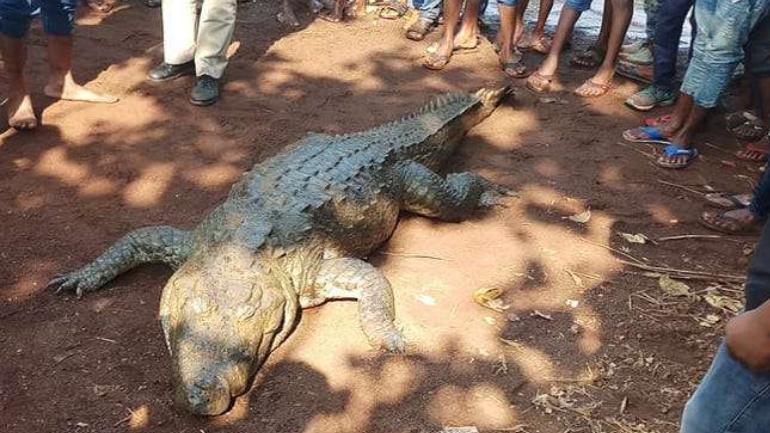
x=723, y=302
x=581, y=218
x=638, y=238
x=672, y=287
x=709, y=321
x=490, y=298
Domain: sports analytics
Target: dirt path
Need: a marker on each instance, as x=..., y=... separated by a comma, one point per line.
x=584, y=345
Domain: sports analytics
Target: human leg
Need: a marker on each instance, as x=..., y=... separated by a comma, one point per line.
x=14, y=23
x=618, y=25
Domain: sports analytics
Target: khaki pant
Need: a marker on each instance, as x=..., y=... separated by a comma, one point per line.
x=215, y=31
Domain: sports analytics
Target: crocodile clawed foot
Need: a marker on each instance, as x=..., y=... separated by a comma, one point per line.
x=73, y=282
x=496, y=197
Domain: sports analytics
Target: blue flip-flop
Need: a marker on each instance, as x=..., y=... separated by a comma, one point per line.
x=672, y=151
x=646, y=134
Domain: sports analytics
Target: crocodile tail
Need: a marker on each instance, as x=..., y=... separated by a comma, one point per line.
x=491, y=98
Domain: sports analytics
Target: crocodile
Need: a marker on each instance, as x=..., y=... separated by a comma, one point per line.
x=293, y=233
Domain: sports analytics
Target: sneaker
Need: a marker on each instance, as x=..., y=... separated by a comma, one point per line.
x=651, y=97
x=205, y=92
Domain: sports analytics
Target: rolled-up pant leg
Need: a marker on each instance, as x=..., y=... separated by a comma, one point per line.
x=723, y=30
x=179, y=17
x=217, y=24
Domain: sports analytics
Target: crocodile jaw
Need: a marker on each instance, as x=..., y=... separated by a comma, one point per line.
x=219, y=323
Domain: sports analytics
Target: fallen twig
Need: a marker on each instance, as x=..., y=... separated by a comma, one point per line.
x=676, y=277
x=667, y=270
x=413, y=256
x=686, y=188
x=680, y=237
x=612, y=249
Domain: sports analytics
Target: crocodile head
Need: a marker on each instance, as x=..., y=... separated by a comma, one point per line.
x=219, y=317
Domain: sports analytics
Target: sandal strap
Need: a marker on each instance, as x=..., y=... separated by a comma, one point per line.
x=672, y=151
x=653, y=133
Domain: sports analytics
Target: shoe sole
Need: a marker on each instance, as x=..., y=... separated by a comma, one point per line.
x=173, y=77
x=666, y=103
x=204, y=103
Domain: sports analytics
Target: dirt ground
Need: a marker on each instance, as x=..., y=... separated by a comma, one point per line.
x=586, y=344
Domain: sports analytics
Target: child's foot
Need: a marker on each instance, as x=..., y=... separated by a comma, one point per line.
x=21, y=115
x=68, y=90
x=593, y=89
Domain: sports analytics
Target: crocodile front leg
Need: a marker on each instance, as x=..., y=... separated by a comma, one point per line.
x=424, y=192
x=150, y=244
x=349, y=278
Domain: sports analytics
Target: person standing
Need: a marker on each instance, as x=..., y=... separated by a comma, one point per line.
x=58, y=18
x=204, y=54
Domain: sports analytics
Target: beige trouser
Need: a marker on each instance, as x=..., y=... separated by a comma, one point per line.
x=215, y=31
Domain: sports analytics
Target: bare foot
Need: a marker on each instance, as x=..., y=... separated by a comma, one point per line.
x=70, y=91
x=466, y=41
x=21, y=115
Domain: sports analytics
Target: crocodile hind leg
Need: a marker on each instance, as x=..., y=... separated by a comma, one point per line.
x=424, y=192
x=348, y=278
x=150, y=244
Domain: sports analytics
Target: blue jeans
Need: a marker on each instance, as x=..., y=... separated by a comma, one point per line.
x=760, y=204
x=730, y=399
x=724, y=27
x=668, y=33
x=430, y=10
x=58, y=16
x=579, y=6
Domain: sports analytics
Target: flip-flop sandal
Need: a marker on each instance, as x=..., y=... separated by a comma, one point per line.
x=657, y=121
x=753, y=152
x=745, y=125
x=588, y=58
x=646, y=134
x=435, y=62
x=591, y=85
x=515, y=69
x=672, y=151
x=717, y=221
x=433, y=48
x=391, y=10
x=539, y=83
x=727, y=200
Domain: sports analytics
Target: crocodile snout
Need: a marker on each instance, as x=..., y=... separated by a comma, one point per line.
x=208, y=396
